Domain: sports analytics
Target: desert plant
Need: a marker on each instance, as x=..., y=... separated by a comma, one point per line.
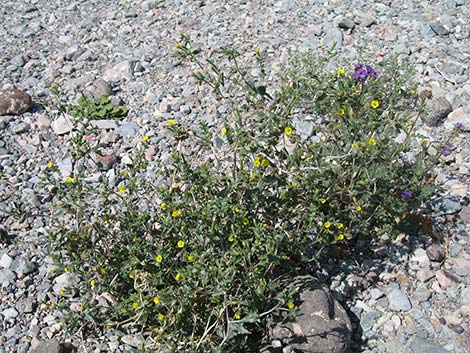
x=193, y=254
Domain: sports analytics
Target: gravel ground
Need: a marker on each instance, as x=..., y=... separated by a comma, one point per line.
x=408, y=296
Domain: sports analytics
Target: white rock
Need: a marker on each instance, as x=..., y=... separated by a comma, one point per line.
x=10, y=313
x=119, y=72
x=62, y=125
x=5, y=261
x=104, y=124
x=68, y=279
x=65, y=167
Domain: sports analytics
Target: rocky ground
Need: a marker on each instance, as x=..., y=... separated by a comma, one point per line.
x=410, y=295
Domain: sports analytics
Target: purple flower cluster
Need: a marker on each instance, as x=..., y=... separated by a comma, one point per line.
x=361, y=72
x=447, y=150
x=406, y=195
x=460, y=126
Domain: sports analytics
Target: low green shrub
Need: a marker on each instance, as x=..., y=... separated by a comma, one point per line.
x=193, y=252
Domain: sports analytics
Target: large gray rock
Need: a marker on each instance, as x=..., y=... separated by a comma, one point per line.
x=333, y=36
x=101, y=88
x=14, y=102
x=6, y=276
x=50, y=346
x=23, y=266
x=437, y=110
x=420, y=345
x=398, y=300
x=322, y=326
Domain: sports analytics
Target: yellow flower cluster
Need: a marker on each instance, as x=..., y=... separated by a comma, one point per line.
x=176, y=213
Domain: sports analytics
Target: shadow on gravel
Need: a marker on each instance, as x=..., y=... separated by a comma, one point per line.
x=350, y=271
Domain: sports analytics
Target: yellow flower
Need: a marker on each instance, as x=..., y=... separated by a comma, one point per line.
x=92, y=283
x=176, y=213
x=50, y=165
x=374, y=104
x=265, y=162
x=245, y=221
x=265, y=225
x=340, y=236
x=61, y=292
x=69, y=180
x=171, y=122
x=52, y=270
x=178, y=45
x=52, y=304
x=288, y=130
x=341, y=112
x=355, y=145
x=122, y=188
x=54, y=85
x=257, y=51
x=358, y=208
x=124, y=310
x=180, y=244
x=135, y=239
x=223, y=132
x=135, y=305
x=327, y=224
x=179, y=276
x=412, y=91
x=156, y=300
x=190, y=257
x=237, y=316
x=158, y=259
x=236, y=209
x=163, y=205
x=322, y=200
x=161, y=317
x=145, y=138
x=340, y=71
x=81, y=308
x=132, y=275
x=340, y=226
x=230, y=238
x=66, y=269
x=290, y=305
x=103, y=271
x=372, y=141
x=257, y=162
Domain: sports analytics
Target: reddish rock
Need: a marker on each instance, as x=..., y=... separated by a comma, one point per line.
x=103, y=161
x=436, y=253
x=14, y=102
x=447, y=279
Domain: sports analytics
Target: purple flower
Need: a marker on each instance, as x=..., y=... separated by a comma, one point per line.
x=406, y=195
x=445, y=151
x=460, y=126
x=361, y=72
x=358, y=66
x=371, y=72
